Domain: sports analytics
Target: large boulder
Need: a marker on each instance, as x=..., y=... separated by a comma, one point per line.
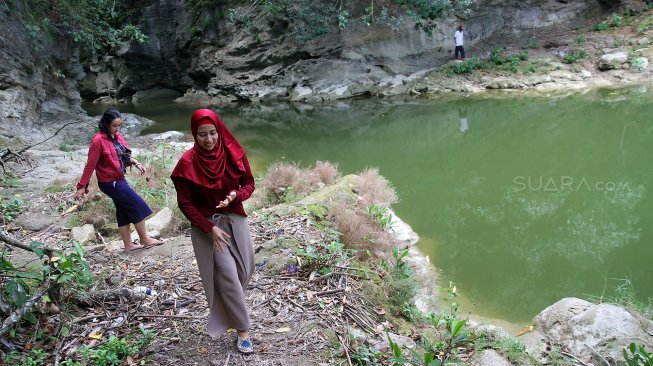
x=611, y=61
x=592, y=332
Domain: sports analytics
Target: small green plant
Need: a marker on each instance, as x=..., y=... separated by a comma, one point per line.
x=116, y=350
x=582, y=38
x=35, y=357
x=380, y=215
x=645, y=25
x=638, y=64
x=324, y=256
x=575, y=56
x=9, y=181
x=602, y=26
x=10, y=209
x=615, y=20
x=532, y=67
x=637, y=356
x=533, y=43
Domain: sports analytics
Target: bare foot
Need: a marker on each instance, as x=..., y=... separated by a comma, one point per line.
x=132, y=247
x=151, y=242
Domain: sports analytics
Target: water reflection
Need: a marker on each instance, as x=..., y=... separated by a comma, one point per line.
x=483, y=202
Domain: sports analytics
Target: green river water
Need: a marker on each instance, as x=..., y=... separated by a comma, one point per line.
x=519, y=200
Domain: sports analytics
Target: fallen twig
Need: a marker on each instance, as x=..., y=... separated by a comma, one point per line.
x=574, y=357
x=18, y=314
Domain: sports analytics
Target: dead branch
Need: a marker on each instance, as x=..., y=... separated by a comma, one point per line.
x=10, y=240
x=55, y=134
x=18, y=314
x=95, y=297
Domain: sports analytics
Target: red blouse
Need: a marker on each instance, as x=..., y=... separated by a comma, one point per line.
x=103, y=159
x=198, y=203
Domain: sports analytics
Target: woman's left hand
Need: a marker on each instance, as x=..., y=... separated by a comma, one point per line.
x=230, y=197
x=139, y=166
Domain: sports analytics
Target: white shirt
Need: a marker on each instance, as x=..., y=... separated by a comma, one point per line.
x=459, y=38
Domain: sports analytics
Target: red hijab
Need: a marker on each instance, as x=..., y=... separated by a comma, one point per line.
x=207, y=168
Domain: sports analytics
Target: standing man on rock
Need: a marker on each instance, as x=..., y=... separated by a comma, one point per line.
x=458, y=39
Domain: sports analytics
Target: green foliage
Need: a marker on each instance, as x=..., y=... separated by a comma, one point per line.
x=635, y=356
x=467, y=67
x=116, y=350
x=35, y=357
x=582, y=38
x=615, y=20
x=380, y=215
x=425, y=13
x=96, y=25
x=324, y=256
x=9, y=181
x=70, y=272
x=10, y=209
x=575, y=56
x=533, y=43
x=307, y=20
x=645, y=25
x=513, y=349
x=602, y=26
x=399, y=283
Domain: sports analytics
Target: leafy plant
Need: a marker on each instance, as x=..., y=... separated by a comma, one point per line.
x=380, y=215
x=9, y=181
x=615, y=20
x=602, y=26
x=574, y=56
x=10, y=209
x=324, y=256
x=533, y=43
x=95, y=24
x=638, y=356
x=582, y=38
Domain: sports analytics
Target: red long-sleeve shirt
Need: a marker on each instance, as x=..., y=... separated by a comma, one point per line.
x=197, y=202
x=103, y=159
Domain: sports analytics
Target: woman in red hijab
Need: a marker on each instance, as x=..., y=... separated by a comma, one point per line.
x=212, y=180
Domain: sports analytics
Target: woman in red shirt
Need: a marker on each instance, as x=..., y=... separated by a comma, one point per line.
x=109, y=156
x=212, y=180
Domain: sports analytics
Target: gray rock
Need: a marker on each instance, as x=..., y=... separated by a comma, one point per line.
x=612, y=61
x=158, y=224
x=592, y=331
x=489, y=357
x=35, y=221
x=83, y=234
x=170, y=135
x=132, y=124
x=157, y=93
x=401, y=231
x=503, y=83
x=402, y=341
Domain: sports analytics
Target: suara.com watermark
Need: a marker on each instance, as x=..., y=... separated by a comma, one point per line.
x=566, y=183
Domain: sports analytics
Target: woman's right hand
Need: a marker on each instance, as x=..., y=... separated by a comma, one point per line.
x=220, y=239
x=80, y=192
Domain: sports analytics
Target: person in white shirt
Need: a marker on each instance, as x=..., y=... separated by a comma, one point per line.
x=458, y=39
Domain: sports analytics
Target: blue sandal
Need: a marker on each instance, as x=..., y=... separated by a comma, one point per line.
x=244, y=345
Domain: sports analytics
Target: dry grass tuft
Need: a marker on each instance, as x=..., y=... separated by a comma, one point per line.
x=287, y=182
x=375, y=189
x=359, y=231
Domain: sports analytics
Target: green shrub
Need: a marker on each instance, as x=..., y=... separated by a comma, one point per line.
x=602, y=26
x=580, y=39
x=573, y=57
x=615, y=20
x=638, y=356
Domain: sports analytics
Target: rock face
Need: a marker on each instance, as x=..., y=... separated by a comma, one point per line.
x=593, y=331
x=37, y=82
x=219, y=62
